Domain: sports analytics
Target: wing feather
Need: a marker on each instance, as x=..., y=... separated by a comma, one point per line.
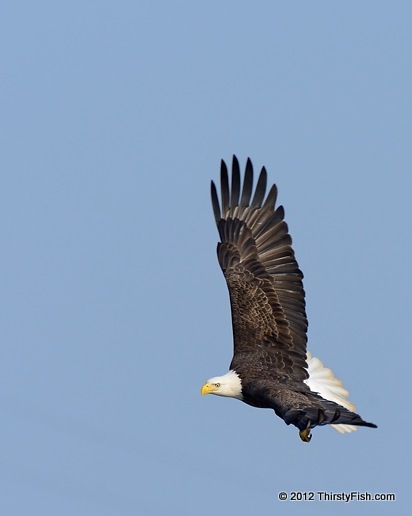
x=260, y=189
x=271, y=198
x=215, y=202
x=224, y=188
x=263, y=277
x=235, y=192
x=247, y=185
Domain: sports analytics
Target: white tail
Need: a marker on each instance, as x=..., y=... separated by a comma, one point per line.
x=322, y=381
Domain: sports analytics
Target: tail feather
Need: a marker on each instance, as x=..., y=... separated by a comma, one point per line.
x=323, y=382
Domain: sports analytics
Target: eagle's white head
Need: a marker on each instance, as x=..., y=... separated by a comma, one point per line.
x=229, y=385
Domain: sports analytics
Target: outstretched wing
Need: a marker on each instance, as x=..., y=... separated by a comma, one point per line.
x=263, y=277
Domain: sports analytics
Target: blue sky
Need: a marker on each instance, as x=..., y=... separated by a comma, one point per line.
x=114, y=118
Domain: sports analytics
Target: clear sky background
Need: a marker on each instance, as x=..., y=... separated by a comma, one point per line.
x=114, y=118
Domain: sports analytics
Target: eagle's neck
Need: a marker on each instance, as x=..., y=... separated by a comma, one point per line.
x=230, y=385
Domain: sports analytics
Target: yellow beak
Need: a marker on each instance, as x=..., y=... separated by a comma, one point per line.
x=206, y=389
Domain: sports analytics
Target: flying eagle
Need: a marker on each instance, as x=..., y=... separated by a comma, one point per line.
x=271, y=367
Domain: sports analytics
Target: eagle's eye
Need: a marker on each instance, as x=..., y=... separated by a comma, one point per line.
x=217, y=385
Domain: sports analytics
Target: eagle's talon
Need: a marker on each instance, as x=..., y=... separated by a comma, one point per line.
x=305, y=435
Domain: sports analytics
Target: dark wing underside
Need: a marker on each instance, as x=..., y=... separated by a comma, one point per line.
x=263, y=277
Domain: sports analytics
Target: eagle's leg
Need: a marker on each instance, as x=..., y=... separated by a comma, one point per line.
x=305, y=435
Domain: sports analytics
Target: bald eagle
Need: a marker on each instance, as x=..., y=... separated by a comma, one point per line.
x=271, y=367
